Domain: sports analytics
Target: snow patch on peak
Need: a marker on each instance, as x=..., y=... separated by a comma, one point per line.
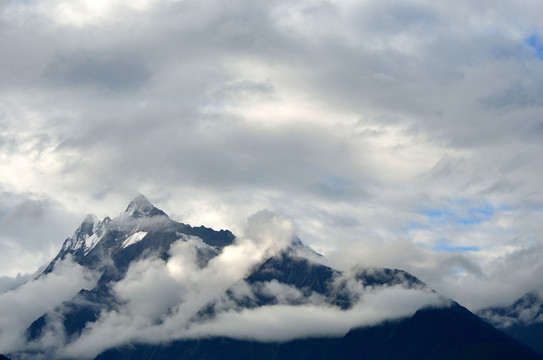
x=91, y=242
x=140, y=204
x=67, y=244
x=138, y=208
x=87, y=227
x=134, y=238
x=91, y=219
x=87, y=235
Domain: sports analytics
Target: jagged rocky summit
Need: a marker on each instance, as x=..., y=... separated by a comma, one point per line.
x=140, y=227
x=167, y=290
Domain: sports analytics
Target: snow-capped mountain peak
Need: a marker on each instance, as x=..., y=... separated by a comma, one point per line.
x=87, y=228
x=139, y=204
x=208, y=285
x=139, y=207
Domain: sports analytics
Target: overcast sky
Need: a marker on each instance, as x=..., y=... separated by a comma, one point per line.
x=402, y=134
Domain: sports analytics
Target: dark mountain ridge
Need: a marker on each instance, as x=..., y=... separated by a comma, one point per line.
x=292, y=276
x=522, y=320
x=440, y=334
x=142, y=227
x=110, y=246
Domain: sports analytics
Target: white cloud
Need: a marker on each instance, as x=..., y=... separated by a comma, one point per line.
x=9, y=283
x=287, y=322
x=184, y=287
x=161, y=300
x=218, y=111
x=20, y=307
x=311, y=316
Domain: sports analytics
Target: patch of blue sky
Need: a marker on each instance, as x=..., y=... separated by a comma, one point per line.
x=486, y=210
x=462, y=212
x=444, y=247
x=476, y=215
x=536, y=44
x=417, y=226
x=469, y=220
x=438, y=213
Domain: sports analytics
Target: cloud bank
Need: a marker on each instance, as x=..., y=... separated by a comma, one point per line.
x=20, y=307
x=163, y=300
x=286, y=322
x=399, y=125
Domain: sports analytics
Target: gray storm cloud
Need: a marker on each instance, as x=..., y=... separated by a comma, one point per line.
x=357, y=119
